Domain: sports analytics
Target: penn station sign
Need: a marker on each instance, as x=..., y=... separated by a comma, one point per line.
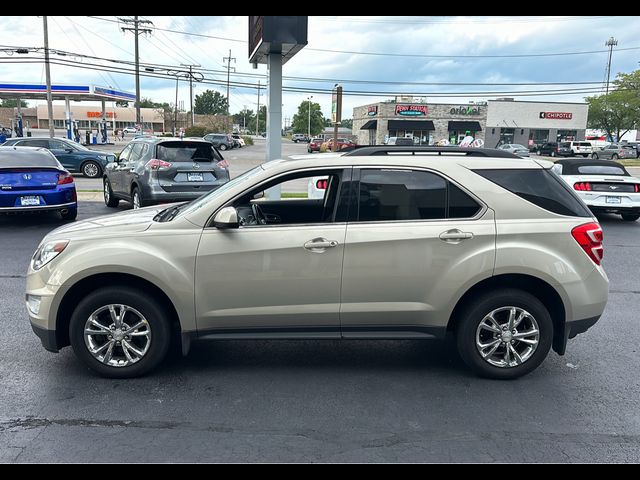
x=465, y=110
x=412, y=110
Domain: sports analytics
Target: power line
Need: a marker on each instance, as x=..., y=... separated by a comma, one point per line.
x=136, y=31
x=304, y=79
x=473, y=94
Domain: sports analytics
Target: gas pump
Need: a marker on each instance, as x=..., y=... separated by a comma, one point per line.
x=103, y=130
x=68, y=125
x=76, y=132
x=18, y=125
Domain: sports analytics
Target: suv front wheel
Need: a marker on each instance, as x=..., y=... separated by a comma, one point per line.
x=119, y=332
x=504, y=334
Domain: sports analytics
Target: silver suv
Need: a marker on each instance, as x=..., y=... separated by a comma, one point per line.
x=476, y=243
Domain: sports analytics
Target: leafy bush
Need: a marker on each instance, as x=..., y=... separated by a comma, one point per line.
x=247, y=140
x=196, y=131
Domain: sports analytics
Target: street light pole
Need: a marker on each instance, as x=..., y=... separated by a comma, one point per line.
x=309, y=124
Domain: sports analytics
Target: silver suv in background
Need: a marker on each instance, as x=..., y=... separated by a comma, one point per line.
x=479, y=244
x=152, y=170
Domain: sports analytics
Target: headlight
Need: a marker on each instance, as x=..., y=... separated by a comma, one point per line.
x=47, y=252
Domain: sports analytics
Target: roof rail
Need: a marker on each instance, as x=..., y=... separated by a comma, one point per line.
x=379, y=150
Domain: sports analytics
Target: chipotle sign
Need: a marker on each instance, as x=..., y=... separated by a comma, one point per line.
x=556, y=115
x=412, y=110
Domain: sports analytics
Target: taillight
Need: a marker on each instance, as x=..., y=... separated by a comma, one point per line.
x=637, y=188
x=321, y=184
x=589, y=237
x=155, y=164
x=582, y=186
x=64, y=178
x=223, y=164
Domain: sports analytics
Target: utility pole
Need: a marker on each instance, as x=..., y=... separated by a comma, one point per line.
x=191, y=67
x=612, y=42
x=258, y=113
x=175, y=112
x=309, y=125
x=137, y=31
x=48, y=73
x=229, y=67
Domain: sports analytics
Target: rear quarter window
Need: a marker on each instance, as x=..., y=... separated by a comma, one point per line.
x=540, y=187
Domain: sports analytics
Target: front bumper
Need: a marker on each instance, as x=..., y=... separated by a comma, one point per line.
x=47, y=338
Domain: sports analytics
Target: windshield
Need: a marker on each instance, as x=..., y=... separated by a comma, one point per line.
x=518, y=146
x=203, y=200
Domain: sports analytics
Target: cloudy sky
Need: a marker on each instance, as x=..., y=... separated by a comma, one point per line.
x=424, y=56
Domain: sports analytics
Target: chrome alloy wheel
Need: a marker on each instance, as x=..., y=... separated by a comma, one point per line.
x=107, y=195
x=507, y=337
x=90, y=170
x=117, y=335
x=136, y=200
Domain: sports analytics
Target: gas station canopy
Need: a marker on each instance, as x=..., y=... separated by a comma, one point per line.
x=36, y=91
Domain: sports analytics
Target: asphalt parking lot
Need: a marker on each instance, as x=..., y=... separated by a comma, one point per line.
x=320, y=401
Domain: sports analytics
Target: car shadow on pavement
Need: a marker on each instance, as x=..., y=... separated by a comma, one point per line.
x=344, y=355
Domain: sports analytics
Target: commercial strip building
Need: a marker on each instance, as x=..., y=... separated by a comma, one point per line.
x=529, y=123
x=495, y=121
x=427, y=123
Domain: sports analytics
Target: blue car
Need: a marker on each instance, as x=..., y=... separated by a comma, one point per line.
x=73, y=156
x=32, y=179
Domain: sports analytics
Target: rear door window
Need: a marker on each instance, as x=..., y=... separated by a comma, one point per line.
x=540, y=187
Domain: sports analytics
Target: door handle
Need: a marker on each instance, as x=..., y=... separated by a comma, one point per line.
x=455, y=235
x=320, y=244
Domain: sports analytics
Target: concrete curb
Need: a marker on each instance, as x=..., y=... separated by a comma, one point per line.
x=90, y=196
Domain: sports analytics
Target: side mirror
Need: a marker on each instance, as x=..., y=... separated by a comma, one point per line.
x=226, y=218
x=68, y=150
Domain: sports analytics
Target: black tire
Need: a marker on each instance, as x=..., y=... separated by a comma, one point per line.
x=158, y=321
x=223, y=147
x=553, y=153
x=91, y=169
x=630, y=217
x=70, y=215
x=476, y=311
x=594, y=156
x=109, y=199
x=614, y=157
x=141, y=203
x=538, y=152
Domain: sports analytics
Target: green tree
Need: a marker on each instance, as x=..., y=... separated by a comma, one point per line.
x=262, y=120
x=11, y=103
x=619, y=110
x=347, y=123
x=245, y=118
x=210, y=102
x=300, y=122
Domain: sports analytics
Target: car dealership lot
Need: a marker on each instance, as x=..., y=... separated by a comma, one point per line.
x=321, y=400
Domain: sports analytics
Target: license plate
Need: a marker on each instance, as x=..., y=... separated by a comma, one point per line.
x=29, y=201
x=195, y=177
x=613, y=200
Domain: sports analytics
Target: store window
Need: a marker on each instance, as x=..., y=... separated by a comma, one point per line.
x=506, y=135
x=420, y=137
x=538, y=137
x=566, y=135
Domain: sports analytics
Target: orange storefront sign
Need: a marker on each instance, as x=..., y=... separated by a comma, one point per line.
x=99, y=114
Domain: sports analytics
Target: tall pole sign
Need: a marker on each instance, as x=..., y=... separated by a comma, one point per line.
x=336, y=113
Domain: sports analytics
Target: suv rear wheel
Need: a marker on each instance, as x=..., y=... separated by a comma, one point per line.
x=504, y=334
x=222, y=147
x=119, y=332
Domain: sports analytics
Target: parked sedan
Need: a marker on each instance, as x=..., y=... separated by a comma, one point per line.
x=73, y=156
x=515, y=148
x=603, y=185
x=32, y=179
x=615, y=151
x=163, y=170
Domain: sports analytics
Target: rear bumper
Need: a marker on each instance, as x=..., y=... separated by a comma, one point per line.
x=157, y=195
x=39, y=208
